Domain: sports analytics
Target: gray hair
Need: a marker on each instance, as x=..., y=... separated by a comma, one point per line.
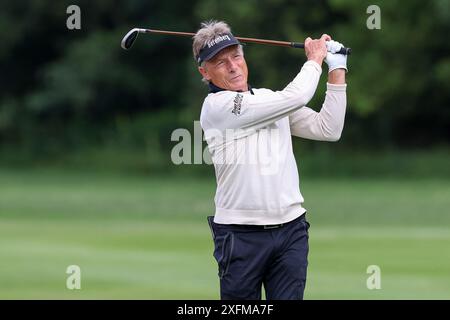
x=209, y=30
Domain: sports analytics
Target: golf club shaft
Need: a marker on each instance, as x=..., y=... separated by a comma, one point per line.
x=253, y=40
x=344, y=50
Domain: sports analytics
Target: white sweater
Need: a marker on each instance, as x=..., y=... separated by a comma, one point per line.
x=249, y=138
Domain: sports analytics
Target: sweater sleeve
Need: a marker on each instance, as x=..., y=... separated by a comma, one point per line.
x=234, y=110
x=326, y=125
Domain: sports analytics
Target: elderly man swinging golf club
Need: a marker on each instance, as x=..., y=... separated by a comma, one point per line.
x=259, y=227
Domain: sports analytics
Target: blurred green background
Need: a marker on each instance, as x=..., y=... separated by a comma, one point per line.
x=86, y=176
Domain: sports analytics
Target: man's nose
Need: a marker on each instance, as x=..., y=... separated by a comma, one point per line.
x=232, y=66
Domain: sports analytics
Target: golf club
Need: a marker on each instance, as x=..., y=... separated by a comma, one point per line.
x=131, y=36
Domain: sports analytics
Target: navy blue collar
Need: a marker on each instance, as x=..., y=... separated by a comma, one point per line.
x=213, y=88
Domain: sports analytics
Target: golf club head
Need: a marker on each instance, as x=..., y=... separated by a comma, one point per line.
x=130, y=37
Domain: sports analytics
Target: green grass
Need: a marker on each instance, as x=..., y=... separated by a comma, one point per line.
x=147, y=238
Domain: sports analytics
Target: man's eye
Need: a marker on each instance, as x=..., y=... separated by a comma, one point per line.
x=220, y=63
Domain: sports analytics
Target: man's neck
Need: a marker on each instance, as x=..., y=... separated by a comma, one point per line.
x=213, y=88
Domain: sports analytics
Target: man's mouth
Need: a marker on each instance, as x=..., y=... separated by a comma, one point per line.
x=235, y=78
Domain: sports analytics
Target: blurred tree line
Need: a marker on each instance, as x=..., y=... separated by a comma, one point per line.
x=70, y=91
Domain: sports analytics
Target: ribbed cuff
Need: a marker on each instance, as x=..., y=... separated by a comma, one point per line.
x=314, y=64
x=336, y=87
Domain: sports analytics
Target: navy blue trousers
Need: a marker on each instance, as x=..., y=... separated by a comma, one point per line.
x=249, y=257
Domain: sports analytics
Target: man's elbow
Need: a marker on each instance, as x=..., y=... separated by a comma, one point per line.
x=332, y=130
x=333, y=136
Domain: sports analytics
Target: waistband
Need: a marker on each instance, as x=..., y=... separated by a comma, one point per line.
x=257, y=227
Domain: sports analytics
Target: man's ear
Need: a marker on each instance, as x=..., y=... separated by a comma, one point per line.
x=204, y=73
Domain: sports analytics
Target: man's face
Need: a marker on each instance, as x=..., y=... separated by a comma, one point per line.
x=227, y=70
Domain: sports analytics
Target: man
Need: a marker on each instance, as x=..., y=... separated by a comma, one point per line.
x=259, y=228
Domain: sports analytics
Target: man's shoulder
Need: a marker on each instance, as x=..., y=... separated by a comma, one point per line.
x=221, y=98
x=213, y=102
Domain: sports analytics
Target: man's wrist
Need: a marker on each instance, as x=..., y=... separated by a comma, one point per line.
x=316, y=59
x=337, y=76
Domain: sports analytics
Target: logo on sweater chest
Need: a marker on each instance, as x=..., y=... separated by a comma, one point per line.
x=237, y=104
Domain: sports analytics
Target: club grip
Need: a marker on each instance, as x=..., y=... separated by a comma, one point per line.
x=344, y=50
x=297, y=45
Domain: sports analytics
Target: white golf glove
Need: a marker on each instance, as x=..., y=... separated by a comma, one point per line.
x=335, y=60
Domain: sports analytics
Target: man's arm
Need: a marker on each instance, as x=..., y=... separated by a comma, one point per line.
x=337, y=76
x=234, y=110
x=231, y=110
x=327, y=124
